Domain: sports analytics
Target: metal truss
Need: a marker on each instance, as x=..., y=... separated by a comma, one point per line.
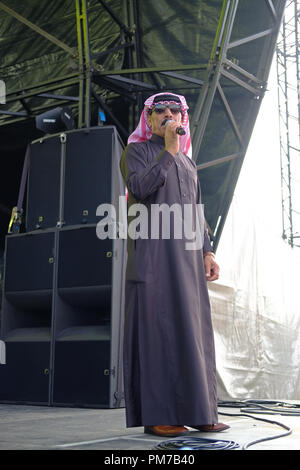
x=133, y=81
x=131, y=87
x=288, y=76
x=126, y=82
x=221, y=66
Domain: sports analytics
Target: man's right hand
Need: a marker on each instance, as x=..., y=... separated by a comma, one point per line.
x=172, y=138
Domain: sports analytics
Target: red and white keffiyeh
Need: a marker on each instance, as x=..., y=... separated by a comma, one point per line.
x=143, y=131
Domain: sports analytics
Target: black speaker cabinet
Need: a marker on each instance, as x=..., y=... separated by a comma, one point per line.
x=27, y=317
x=43, y=185
x=63, y=294
x=70, y=175
x=88, y=321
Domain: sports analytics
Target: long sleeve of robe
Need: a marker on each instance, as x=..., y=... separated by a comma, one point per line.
x=169, y=355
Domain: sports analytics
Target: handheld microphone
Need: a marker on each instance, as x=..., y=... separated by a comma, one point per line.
x=179, y=129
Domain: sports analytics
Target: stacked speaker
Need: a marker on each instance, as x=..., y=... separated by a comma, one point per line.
x=63, y=294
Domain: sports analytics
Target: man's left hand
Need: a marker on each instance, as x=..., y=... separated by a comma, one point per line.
x=211, y=267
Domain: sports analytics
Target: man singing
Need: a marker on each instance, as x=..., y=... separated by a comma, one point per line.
x=169, y=355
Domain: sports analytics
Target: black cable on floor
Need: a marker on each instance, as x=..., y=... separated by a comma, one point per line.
x=251, y=407
x=264, y=407
x=196, y=443
x=256, y=441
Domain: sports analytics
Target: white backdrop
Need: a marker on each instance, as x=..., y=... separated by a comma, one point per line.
x=256, y=301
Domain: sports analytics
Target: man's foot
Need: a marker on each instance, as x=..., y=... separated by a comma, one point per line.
x=166, y=431
x=218, y=427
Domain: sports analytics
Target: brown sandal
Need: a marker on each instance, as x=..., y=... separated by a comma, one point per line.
x=166, y=431
x=218, y=427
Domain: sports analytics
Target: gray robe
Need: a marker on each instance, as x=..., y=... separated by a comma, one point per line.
x=169, y=356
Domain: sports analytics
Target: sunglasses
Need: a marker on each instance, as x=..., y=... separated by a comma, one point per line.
x=161, y=108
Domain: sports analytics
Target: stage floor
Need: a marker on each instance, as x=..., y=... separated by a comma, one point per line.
x=25, y=427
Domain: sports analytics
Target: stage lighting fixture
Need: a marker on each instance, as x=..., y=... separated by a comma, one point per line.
x=55, y=120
